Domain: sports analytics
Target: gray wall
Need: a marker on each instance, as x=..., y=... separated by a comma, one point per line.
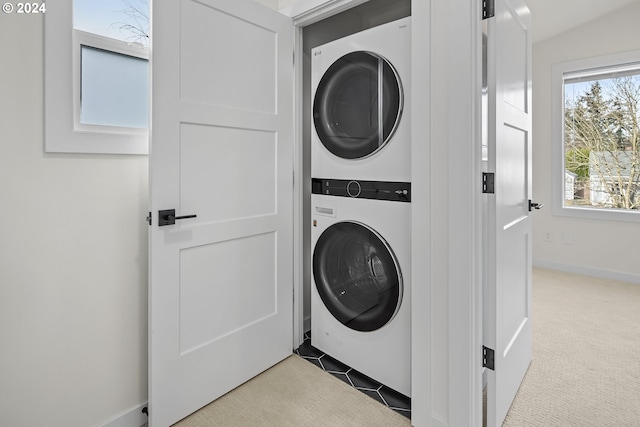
x=599, y=247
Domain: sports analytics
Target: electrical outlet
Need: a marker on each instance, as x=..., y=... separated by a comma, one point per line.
x=548, y=236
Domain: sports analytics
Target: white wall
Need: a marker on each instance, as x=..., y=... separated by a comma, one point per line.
x=599, y=247
x=73, y=261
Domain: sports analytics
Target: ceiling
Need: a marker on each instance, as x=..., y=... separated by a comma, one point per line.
x=552, y=17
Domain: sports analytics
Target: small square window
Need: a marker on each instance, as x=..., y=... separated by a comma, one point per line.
x=96, y=83
x=114, y=89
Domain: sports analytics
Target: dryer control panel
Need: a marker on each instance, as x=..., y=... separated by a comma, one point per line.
x=376, y=190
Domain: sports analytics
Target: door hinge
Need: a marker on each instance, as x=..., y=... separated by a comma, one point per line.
x=488, y=358
x=149, y=218
x=488, y=179
x=488, y=9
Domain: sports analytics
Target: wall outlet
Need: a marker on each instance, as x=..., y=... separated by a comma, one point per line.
x=548, y=236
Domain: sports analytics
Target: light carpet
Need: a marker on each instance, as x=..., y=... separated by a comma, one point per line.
x=295, y=393
x=586, y=354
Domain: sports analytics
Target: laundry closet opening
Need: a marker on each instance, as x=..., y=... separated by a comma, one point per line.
x=368, y=15
x=374, y=13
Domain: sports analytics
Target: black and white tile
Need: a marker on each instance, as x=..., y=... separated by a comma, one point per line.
x=383, y=394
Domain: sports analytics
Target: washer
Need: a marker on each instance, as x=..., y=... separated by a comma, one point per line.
x=360, y=103
x=361, y=286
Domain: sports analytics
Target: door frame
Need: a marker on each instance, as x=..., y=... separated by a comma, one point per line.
x=448, y=379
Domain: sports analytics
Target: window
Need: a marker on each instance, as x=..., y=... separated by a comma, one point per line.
x=114, y=89
x=596, y=131
x=97, y=77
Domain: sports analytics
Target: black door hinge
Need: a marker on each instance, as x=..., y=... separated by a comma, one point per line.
x=488, y=9
x=488, y=358
x=149, y=218
x=488, y=179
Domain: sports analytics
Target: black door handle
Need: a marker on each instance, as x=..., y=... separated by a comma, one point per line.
x=534, y=205
x=168, y=217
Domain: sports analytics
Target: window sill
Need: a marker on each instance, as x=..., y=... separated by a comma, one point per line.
x=598, y=214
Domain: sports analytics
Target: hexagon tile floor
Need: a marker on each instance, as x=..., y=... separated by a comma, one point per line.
x=383, y=394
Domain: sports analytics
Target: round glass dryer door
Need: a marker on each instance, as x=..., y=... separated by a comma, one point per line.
x=357, y=276
x=358, y=104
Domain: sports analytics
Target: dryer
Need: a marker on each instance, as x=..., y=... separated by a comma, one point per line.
x=360, y=95
x=361, y=285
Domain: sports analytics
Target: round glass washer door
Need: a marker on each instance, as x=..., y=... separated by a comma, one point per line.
x=357, y=276
x=357, y=105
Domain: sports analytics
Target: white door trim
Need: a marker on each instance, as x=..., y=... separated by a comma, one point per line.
x=307, y=12
x=450, y=241
x=298, y=191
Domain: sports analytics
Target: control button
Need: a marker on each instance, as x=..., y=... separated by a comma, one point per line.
x=354, y=189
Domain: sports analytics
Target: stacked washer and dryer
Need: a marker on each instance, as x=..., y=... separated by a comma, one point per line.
x=361, y=210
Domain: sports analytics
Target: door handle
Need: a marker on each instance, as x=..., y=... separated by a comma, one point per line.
x=168, y=217
x=535, y=205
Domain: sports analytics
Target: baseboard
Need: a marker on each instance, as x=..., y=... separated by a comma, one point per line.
x=587, y=271
x=133, y=417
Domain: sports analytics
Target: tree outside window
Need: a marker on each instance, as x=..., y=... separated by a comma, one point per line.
x=602, y=140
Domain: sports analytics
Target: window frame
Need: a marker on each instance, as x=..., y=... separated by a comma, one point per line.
x=594, y=66
x=63, y=132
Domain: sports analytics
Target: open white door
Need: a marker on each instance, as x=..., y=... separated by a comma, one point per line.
x=508, y=258
x=220, y=298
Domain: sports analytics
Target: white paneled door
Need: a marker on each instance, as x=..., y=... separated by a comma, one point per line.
x=508, y=259
x=220, y=303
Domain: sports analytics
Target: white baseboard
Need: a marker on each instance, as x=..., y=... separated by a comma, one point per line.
x=130, y=418
x=587, y=271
